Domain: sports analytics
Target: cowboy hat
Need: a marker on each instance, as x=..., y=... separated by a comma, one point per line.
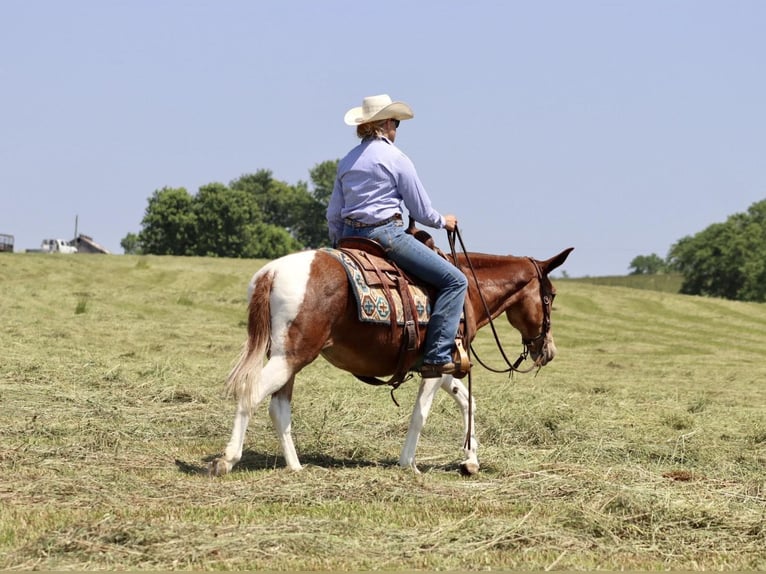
x=376, y=108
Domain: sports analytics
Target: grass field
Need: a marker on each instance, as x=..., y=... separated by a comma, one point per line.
x=642, y=446
x=668, y=283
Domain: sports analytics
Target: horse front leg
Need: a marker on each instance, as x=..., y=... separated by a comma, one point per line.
x=459, y=393
x=423, y=402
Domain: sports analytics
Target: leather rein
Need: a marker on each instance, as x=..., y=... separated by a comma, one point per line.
x=545, y=296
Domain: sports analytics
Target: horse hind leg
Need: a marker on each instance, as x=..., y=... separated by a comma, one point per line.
x=459, y=393
x=233, y=453
x=276, y=375
x=280, y=413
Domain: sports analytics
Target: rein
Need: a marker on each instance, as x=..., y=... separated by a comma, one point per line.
x=546, y=298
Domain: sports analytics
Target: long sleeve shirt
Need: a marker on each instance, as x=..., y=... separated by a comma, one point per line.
x=372, y=182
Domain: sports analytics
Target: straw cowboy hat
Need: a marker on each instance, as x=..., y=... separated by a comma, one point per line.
x=376, y=108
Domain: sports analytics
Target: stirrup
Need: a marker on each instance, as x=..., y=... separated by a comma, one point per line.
x=460, y=358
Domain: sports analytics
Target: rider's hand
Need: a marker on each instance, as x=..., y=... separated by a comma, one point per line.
x=450, y=222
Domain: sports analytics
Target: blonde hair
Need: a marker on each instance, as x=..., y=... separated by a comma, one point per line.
x=371, y=129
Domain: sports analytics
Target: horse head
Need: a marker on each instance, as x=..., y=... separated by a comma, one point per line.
x=531, y=313
x=528, y=309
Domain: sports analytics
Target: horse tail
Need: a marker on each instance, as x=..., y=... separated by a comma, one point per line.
x=245, y=377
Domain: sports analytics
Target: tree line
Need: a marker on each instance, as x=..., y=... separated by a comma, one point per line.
x=725, y=259
x=255, y=216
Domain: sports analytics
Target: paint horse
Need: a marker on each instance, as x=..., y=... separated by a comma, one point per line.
x=301, y=306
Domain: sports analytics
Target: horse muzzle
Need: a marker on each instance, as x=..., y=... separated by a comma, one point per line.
x=544, y=351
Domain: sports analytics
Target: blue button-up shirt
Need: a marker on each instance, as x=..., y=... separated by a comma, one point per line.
x=372, y=182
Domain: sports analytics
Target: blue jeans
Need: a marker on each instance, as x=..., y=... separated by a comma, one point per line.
x=417, y=259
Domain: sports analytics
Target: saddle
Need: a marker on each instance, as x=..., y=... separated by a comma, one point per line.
x=380, y=272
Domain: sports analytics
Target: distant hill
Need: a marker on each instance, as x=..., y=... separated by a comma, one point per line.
x=666, y=283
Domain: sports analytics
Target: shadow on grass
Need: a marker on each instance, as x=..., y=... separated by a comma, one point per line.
x=254, y=461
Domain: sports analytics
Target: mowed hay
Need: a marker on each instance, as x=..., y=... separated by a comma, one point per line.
x=641, y=446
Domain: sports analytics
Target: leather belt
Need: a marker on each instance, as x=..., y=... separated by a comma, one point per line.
x=359, y=225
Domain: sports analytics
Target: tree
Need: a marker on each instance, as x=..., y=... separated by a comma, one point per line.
x=725, y=259
x=294, y=208
x=130, y=244
x=323, y=177
x=315, y=211
x=222, y=214
x=264, y=241
x=168, y=226
x=266, y=192
x=254, y=216
x=648, y=265
x=308, y=224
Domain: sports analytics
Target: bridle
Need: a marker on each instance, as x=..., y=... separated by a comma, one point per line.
x=546, y=298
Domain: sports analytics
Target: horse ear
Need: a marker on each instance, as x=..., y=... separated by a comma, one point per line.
x=555, y=261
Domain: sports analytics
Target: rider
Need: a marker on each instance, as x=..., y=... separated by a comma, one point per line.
x=372, y=182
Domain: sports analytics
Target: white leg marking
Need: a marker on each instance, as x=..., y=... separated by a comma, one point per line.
x=275, y=374
x=423, y=402
x=279, y=410
x=233, y=451
x=459, y=393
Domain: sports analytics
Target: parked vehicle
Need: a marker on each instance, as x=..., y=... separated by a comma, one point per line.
x=57, y=246
x=6, y=242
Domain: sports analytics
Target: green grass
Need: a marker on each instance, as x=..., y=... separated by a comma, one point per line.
x=642, y=446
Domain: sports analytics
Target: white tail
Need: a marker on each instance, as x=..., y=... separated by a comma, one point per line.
x=245, y=376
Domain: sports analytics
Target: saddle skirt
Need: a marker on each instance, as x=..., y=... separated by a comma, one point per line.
x=376, y=283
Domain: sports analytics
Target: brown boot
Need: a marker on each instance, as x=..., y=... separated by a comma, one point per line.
x=429, y=371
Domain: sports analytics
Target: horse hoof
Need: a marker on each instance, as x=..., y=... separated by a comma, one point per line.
x=410, y=466
x=218, y=467
x=469, y=468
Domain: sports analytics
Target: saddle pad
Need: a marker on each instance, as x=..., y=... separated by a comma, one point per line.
x=371, y=302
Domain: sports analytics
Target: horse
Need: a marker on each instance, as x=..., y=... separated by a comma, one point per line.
x=301, y=306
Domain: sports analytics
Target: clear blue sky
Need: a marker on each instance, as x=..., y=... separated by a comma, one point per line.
x=616, y=127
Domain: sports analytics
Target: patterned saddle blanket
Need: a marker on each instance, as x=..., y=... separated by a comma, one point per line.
x=377, y=303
